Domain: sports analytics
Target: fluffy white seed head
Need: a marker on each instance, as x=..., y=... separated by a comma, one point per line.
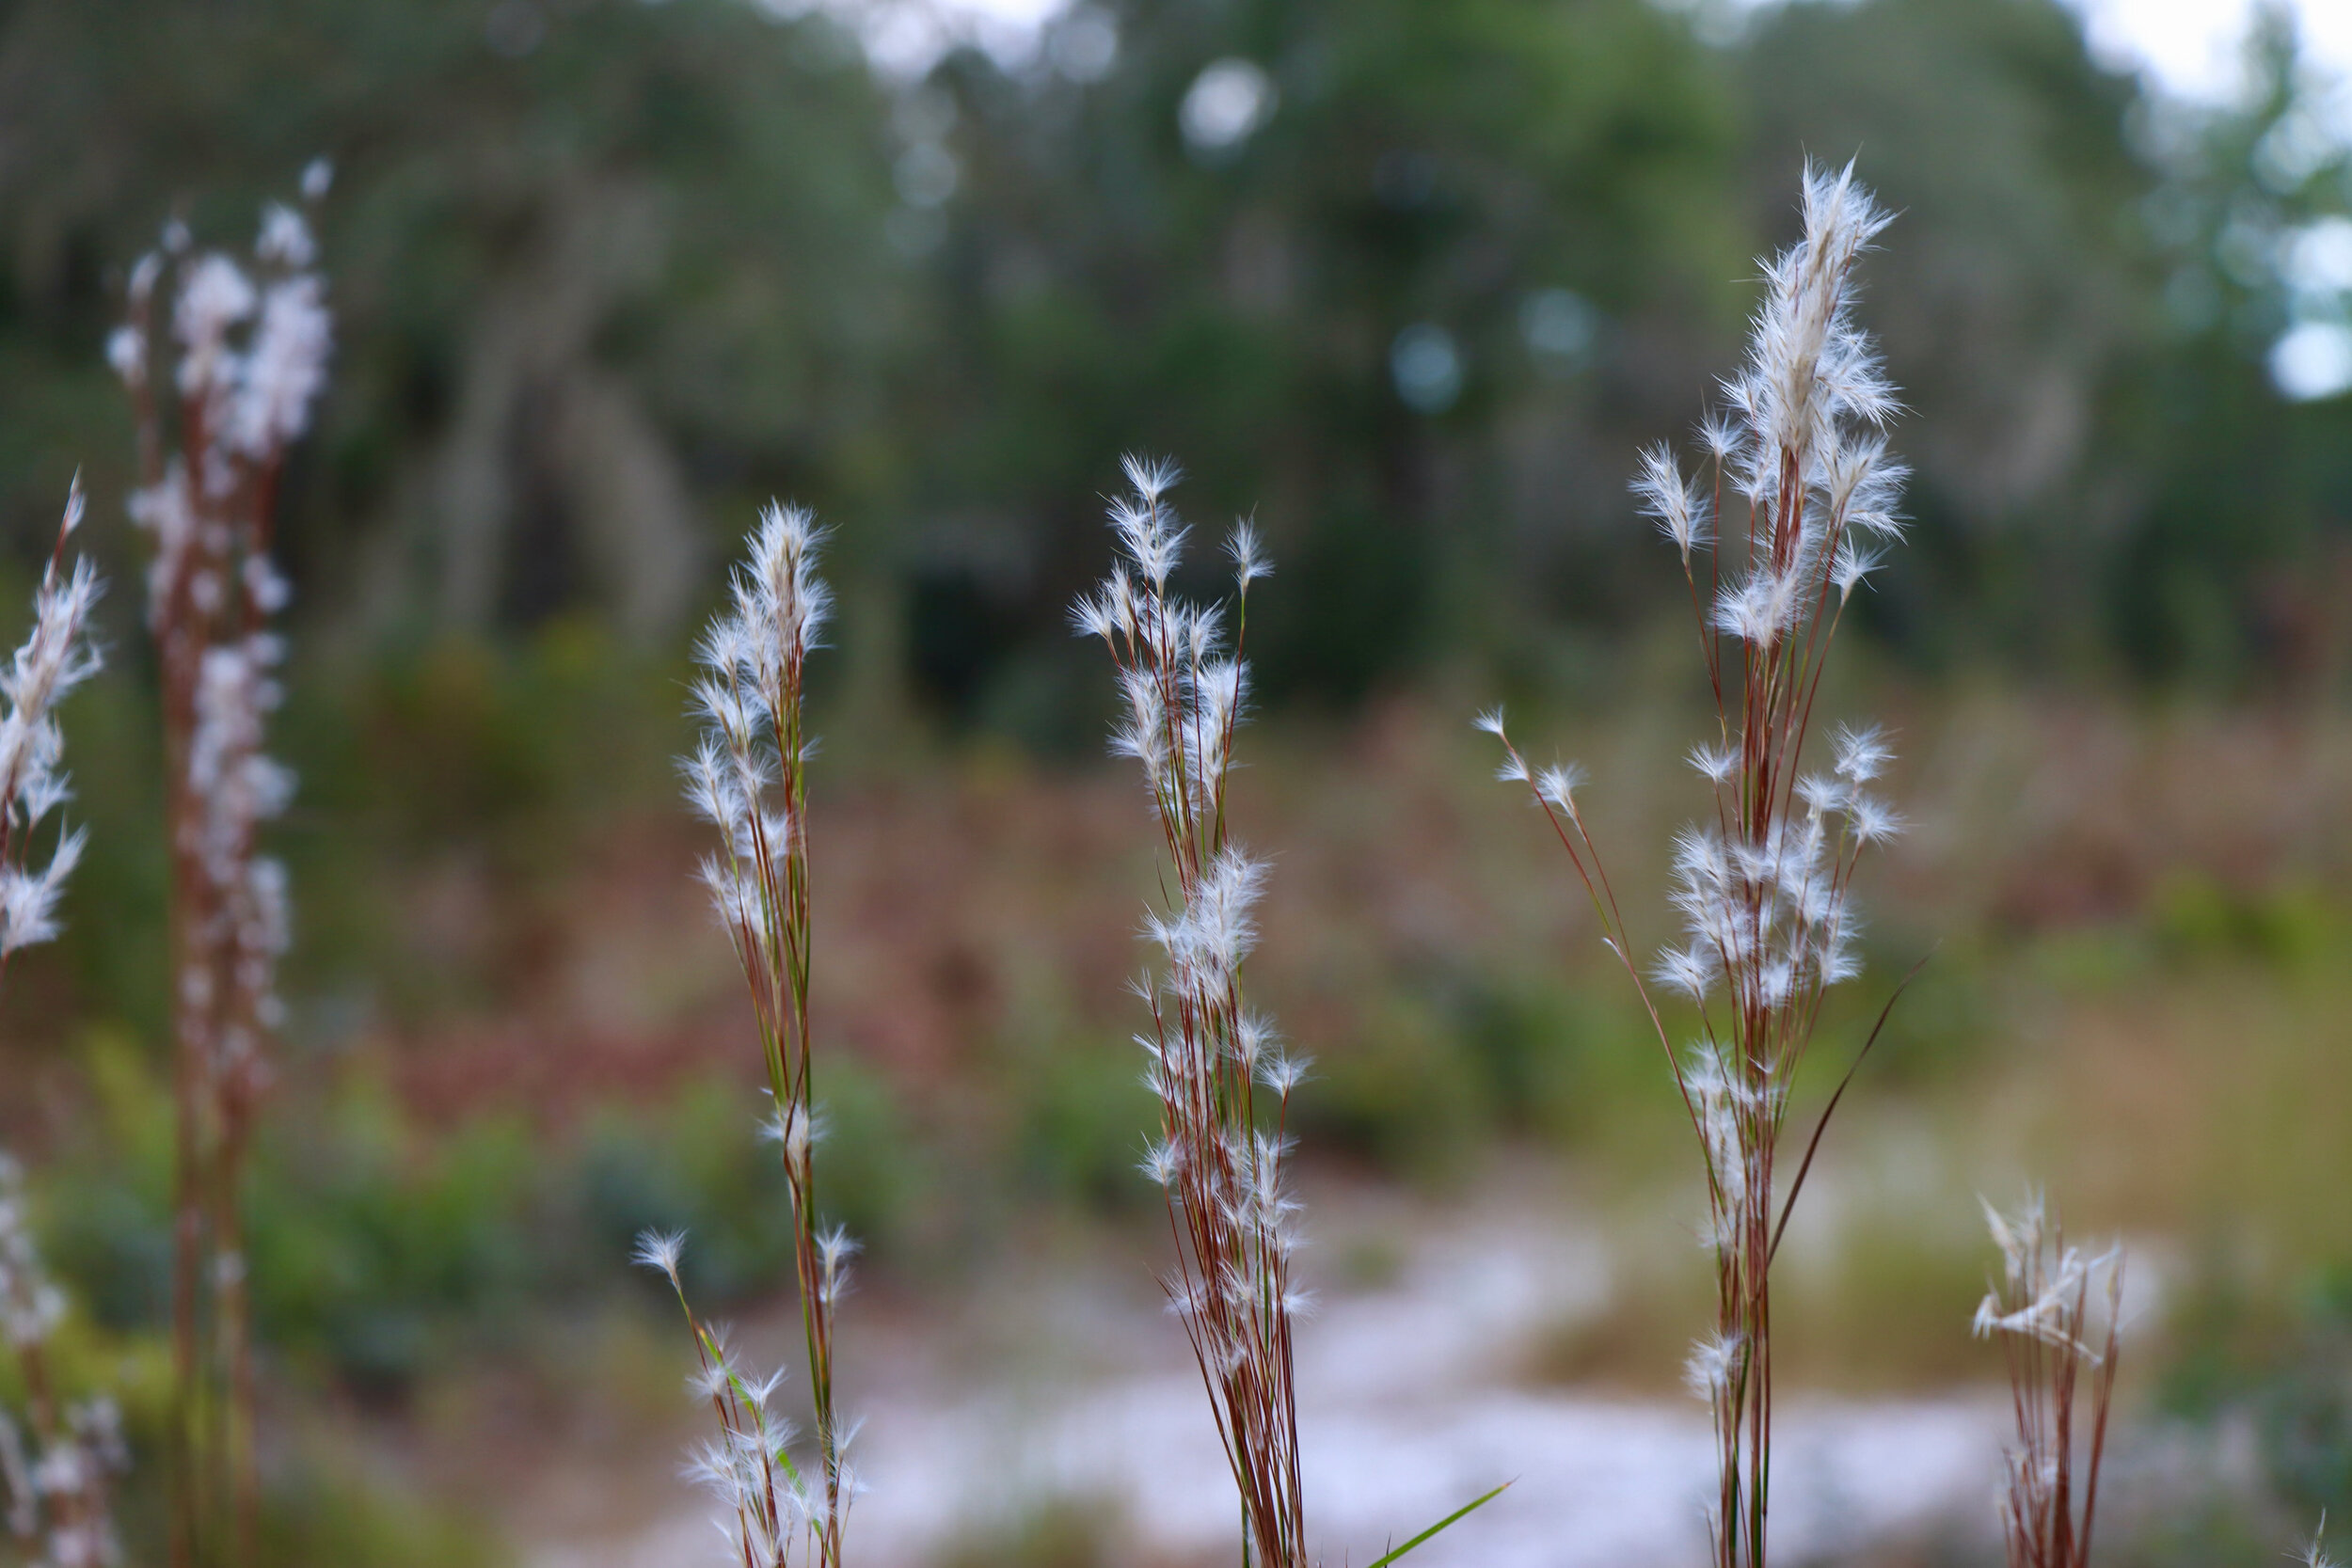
x=1248, y=552
x=1714, y=1361
x=1822, y=793
x=1282, y=1074
x=793, y=1127
x=31, y=1307
x=1096, y=615
x=1808, y=366
x=1872, y=820
x=1162, y=1162
x=126, y=356
x=2018, y=1235
x=1558, y=784
x=748, y=698
x=1151, y=477
x=1862, y=754
x=285, y=238
x=55, y=656
x=1723, y=437
x=835, y=1248
x=1717, y=765
x=284, y=371
x=1690, y=971
x=1763, y=607
x=660, y=1251
x=1678, y=507
x=216, y=296
x=29, y=900
x=1853, y=567
x=737, y=898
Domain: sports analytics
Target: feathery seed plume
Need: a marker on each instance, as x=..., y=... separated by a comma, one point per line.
x=1184, y=694
x=1796, y=474
x=252, y=344
x=748, y=778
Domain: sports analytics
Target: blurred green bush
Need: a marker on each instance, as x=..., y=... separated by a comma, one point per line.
x=384, y=1251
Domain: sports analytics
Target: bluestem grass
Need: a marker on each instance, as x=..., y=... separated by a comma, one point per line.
x=2041, y=1312
x=251, y=357
x=1219, y=1154
x=1762, y=889
x=54, y=1469
x=749, y=777
x=57, y=656
x=749, y=1466
x=1223, y=1080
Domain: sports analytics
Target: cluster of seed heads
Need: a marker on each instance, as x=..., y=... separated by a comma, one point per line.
x=1220, y=1150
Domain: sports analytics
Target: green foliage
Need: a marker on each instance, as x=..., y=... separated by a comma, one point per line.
x=1082, y=1136
x=2222, y=569
x=366, y=1521
x=606, y=271
x=368, y=1253
x=560, y=258
x=2286, y=1363
x=382, y=1249
x=1108, y=286
x=1947, y=1022
x=485, y=768
x=734, y=1208
x=2290, y=927
x=1059, y=1535
x=1541, y=1052
x=1890, y=1310
x=701, y=1170
x=1400, y=1091
x=2206, y=1526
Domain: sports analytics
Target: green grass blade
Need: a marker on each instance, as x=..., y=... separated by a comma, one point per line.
x=1468, y=1508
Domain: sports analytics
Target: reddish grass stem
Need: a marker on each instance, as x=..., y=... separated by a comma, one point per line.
x=247, y=356
x=1763, y=889
x=2043, y=1312
x=750, y=779
x=1223, y=1084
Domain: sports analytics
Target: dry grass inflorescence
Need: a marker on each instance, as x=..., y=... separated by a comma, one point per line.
x=749, y=778
x=246, y=350
x=57, y=1469
x=1221, y=1074
x=2043, y=1312
x=1799, y=456
x=55, y=1466
x=1183, y=688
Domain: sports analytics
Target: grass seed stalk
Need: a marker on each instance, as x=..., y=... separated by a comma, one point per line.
x=2041, y=1312
x=57, y=1468
x=57, y=1462
x=1798, y=471
x=749, y=777
x=247, y=345
x=1222, y=1079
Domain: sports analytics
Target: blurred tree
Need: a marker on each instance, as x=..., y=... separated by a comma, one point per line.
x=1377, y=268
x=1413, y=277
x=2080, y=300
x=591, y=260
x=2235, y=564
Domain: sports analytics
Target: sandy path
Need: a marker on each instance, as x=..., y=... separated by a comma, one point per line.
x=1075, y=1393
